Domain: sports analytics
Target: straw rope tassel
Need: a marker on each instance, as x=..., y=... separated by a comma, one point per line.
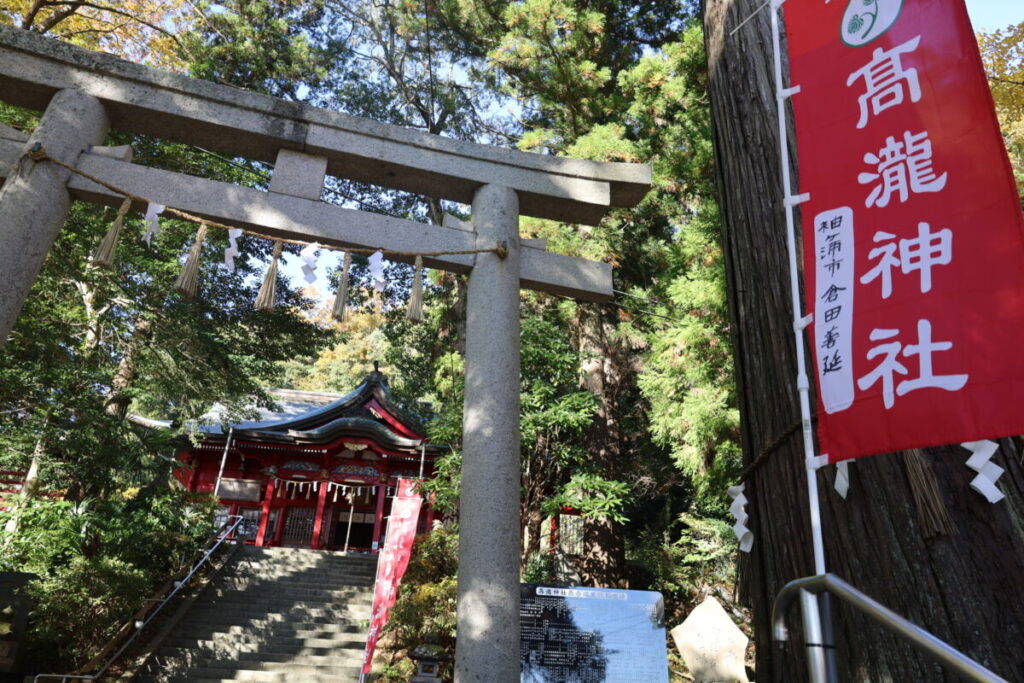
x=189, y=277
x=338, y=311
x=415, y=311
x=104, y=256
x=267, y=297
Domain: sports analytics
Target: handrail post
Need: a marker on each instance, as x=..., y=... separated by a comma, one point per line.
x=939, y=650
x=813, y=641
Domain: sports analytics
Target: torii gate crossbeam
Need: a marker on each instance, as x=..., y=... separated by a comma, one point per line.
x=85, y=93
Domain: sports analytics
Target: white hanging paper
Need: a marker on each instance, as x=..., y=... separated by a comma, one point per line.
x=377, y=270
x=988, y=472
x=153, y=223
x=842, y=483
x=739, y=502
x=309, y=259
x=232, y=250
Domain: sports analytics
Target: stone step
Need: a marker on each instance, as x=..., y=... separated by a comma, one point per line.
x=265, y=629
x=316, y=639
x=268, y=591
x=271, y=660
x=297, y=578
x=286, y=610
x=284, y=647
x=276, y=629
x=241, y=674
x=308, y=562
x=287, y=598
x=320, y=578
x=286, y=675
x=347, y=675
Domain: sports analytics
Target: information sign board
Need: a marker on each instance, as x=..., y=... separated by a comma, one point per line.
x=571, y=634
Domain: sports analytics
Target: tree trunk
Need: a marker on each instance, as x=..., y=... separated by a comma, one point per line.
x=119, y=399
x=603, y=563
x=28, y=492
x=962, y=586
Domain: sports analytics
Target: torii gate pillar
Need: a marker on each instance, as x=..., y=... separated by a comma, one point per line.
x=487, y=650
x=34, y=203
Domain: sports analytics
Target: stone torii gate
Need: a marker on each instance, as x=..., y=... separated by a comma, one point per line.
x=84, y=94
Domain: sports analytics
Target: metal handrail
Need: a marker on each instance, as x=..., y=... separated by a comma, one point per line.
x=224, y=532
x=943, y=653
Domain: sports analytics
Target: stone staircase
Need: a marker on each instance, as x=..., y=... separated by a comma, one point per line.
x=274, y=615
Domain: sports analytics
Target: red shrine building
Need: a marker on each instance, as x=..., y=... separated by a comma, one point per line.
x=320, y=473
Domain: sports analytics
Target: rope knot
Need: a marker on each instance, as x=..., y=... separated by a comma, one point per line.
x=37, y=153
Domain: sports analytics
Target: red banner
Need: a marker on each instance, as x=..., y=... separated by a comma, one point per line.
x=913, y=239
x=405, y=512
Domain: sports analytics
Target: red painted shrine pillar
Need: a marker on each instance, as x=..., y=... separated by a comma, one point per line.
x=268, y=498
x=378, y=519
x=318, y=521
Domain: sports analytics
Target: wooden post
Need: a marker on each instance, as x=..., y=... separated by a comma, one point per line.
x=488, y=591
x=268, y=499
x=318, y=521
x=378, y=519
x=34, y=201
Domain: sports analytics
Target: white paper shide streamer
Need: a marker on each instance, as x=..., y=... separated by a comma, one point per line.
x=152, y=222
x=988, y=472
x=232, y=251
x=377, y=270
x=309, y=259
x=738, y=510
x=842, y=483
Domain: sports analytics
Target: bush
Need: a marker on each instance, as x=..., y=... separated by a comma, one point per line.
x=98, y=560
x=80, y=607
x=425, y=606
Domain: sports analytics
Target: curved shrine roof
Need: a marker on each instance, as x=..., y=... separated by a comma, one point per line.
x=318, y=418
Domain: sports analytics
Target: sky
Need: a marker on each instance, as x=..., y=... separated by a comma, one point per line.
x=990, y=15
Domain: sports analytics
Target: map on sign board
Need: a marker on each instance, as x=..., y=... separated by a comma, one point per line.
x=571, y=634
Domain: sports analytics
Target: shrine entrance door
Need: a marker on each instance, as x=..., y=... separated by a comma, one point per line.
x=298, y=527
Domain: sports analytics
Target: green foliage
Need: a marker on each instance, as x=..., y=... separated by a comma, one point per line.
x=1002, y=53
x=687, y=561
x=81, y=604
x=426, y=603
x=98, y=559
x=92, y=345
x=592, y=495
x=282, y=47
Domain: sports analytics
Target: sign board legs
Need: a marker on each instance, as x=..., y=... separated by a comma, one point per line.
x=35, y=200
x=488, y=593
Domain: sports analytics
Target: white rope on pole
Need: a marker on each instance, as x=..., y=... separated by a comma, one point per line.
x=817, y=667
x=223, y=459
x=752, y=15
x=799, y=321
x=348, y=531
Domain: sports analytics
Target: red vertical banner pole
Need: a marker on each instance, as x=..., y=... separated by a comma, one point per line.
x=393, y=560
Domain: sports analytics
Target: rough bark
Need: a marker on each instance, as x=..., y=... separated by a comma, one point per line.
x=28, y=492
x=603, y=563
x=961, y=586
x=119, y=399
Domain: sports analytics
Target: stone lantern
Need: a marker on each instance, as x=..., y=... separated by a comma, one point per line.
x=428, y=657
